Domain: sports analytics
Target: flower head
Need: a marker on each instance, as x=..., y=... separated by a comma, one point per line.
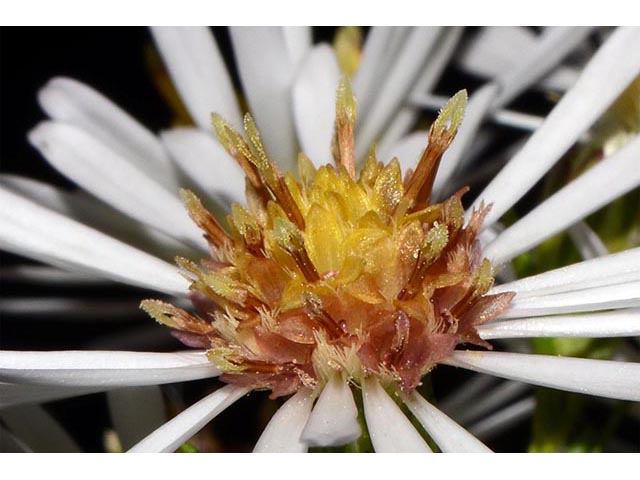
x=345, y=278
x=333, y=274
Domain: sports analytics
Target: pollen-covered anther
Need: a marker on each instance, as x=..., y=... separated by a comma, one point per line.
x=346, y=115
x=214, y=232
x=336, y=273
x=290, y=239
x=441, y=134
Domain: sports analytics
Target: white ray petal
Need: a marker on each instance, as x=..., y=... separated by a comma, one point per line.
x=314, y=103
x=450, y=437
x=475, y=113
x=436, y=63
x=75, y=103
x=207, y=165
x=84, y=208
x=24, y=394
x=267, y=73
x=69, y=308
x=334, y=418
x=397, y=85
x=298, y=39
x=552, y=46
x=390, y=430
x=588, y=243
x=612, y=269
x=603, y=378
x=199, y=73
x=34, y=231
x=135, y=412
x=186, y=424
x=490, y=399
x=114, y=179
x=103, y=369
x=619, y=323
x=374, y=63
x=495, y=50
x=42, y=274
x=611, y=178
x=595, y=90
x=283, y=433
x=503, y=419
x=588, y=300
x=456, y=401
x=546, y=53
x=39, y=430
x=407, y=150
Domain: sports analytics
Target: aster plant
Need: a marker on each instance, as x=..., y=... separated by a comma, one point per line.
x=346, y=275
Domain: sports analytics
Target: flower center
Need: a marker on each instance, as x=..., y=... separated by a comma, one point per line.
x=336, y=273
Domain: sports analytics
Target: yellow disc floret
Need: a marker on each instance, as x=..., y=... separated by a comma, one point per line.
x=328, y=272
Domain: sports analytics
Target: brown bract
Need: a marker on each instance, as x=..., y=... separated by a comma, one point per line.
x=329, y=273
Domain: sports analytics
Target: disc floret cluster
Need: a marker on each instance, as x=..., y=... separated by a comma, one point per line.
x=329, y=272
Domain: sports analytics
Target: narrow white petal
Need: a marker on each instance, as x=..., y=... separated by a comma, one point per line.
x=436, y=63
x=86, y=209
x=503, y=419
x=314, y=103
x=495, y=50
x=536, y=62
x=390, y=430
x=199, y=73
x=611, y=269
x=37, y=232
x=611, y=178
x=334, y=418
x=589, y=300
x=579, y=108
x=298, y=40
x=397, y=85
x=39, y=430
x=283, y=433
x=455, y=402
x=42, y=274
x=479, y=104
x=552, y=46
x=69, y=308
x=619, y=323
x=490, y=399
x=186, y=424
x=207, y=165
x=267, y=74
x=450, y=437
x=75, y=103
x=588, y=243
x=103, y=369
x=113, y=179
x=23, y=394
x=135, y=412
x=376, y=55
x=603, y=378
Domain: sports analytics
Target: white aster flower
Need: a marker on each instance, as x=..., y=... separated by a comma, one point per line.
x=290, y=88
